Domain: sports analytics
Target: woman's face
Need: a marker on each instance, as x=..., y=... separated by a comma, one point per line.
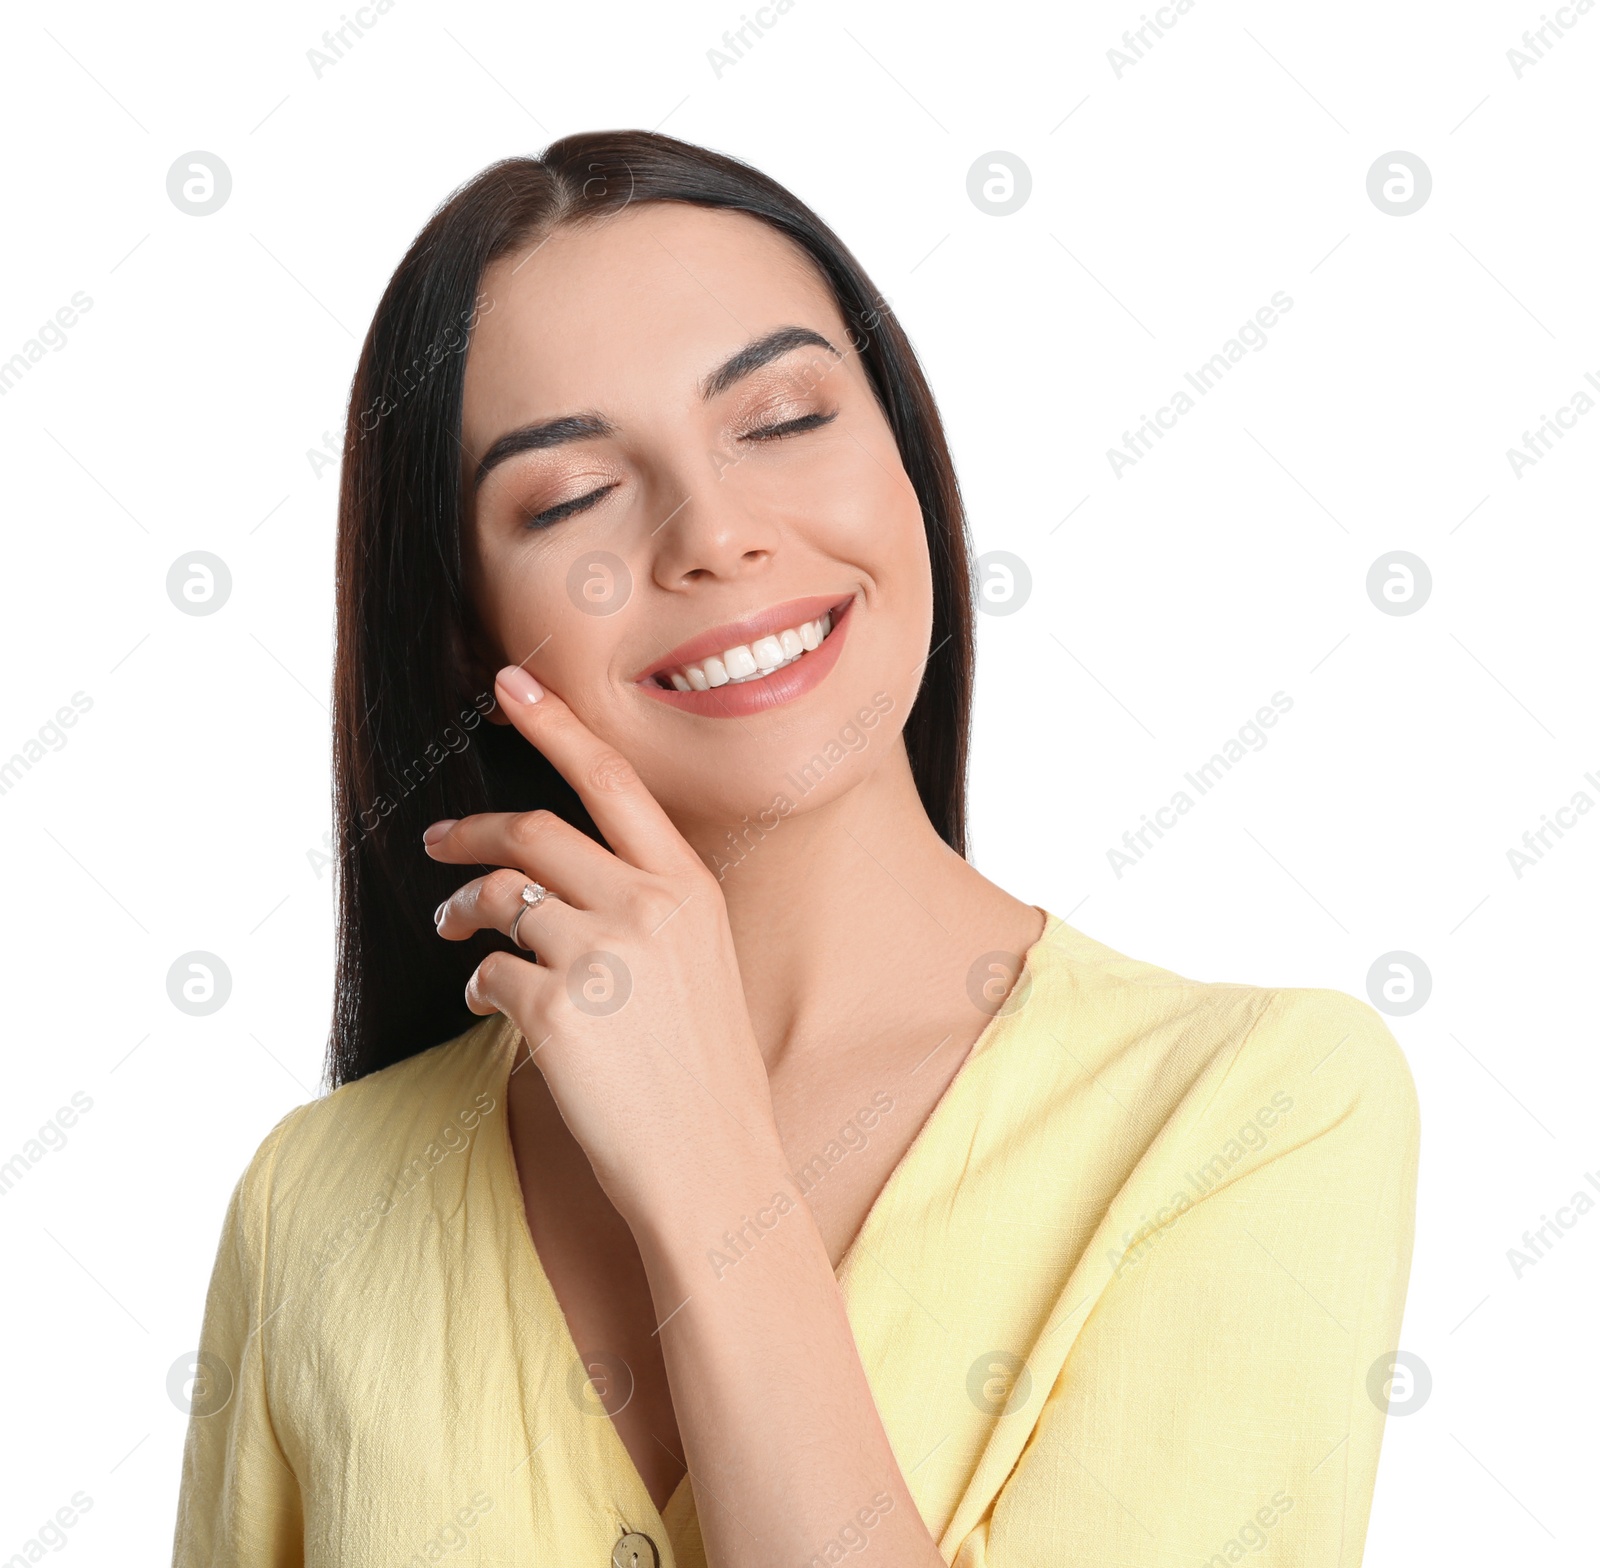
x=655, y=482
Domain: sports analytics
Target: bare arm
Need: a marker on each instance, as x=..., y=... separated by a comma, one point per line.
x=785, y=1448
x=636, y=1015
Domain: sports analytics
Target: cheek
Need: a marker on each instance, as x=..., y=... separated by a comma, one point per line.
x=895, y=555
x=871, y=518
x=869, y=522
x=591, y=588
x=557, y=610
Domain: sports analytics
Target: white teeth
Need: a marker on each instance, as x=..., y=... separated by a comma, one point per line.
x=752, y=661
x=761, y=674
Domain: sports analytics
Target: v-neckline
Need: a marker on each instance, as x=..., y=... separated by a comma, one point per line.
x=509, y=1179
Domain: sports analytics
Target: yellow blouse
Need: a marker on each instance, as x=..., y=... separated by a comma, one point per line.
x=1128, y=1298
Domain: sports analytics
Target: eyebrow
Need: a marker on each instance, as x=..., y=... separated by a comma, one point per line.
x=591, y=426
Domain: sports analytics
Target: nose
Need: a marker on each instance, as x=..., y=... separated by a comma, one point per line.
x=713, y=534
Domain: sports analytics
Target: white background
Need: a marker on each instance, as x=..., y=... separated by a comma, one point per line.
x=186, y=808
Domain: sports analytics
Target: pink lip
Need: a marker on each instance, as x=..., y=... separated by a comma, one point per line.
x=739, y=700
x=766, y=623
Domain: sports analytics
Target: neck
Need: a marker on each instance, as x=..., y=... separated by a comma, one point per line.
x=852, y=918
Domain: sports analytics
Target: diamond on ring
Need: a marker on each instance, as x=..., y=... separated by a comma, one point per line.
x=533, y=894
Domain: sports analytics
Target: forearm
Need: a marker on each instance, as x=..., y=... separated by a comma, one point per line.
x=781, y=1436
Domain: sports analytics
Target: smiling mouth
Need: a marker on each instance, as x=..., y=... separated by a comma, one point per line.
x=751, y=661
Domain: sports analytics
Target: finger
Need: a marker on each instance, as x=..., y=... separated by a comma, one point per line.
x=627, y=813
x=585, y=874
x=504, y=983
x=550, y=927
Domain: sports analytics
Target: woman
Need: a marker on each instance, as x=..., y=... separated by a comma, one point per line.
x=852, y=1206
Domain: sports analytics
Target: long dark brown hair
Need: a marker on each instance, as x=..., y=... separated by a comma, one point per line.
x=410, y=744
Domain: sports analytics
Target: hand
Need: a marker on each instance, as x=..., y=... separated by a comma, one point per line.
x=631, y=1000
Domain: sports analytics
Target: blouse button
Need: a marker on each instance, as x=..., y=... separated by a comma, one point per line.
x=635, y=1550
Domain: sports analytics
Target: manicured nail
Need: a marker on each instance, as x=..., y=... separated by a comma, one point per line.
x=433, y=834
x=519, y=684
x=438, y=914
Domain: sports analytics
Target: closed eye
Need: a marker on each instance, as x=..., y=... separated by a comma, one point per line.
x=790, y=427
x=582, y=503
x=556, y=514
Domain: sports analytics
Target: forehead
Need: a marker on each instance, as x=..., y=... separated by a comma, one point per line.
x=638, y=305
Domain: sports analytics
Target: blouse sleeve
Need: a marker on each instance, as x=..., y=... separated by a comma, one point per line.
x=239, y=1501
x=1225, y=1394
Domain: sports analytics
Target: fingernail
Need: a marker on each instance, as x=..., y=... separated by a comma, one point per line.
x=438, y=914
x=519, y=684
x=433, y=834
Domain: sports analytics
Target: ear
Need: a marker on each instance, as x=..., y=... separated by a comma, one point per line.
x=476, y=663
